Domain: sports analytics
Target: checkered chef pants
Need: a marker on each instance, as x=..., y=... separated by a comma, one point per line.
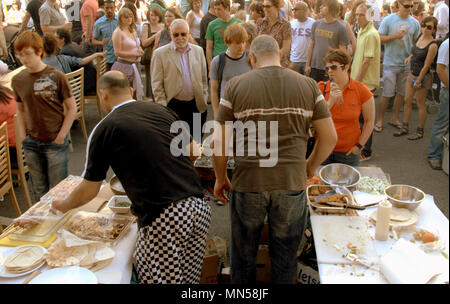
x=171, y=250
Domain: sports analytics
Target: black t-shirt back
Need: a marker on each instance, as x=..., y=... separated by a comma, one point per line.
x=134, y=139
x=33, y=9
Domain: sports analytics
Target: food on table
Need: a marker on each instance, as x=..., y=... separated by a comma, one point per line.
x=428, y=237
x=71, y=250
x=91, y=225
x=424, y=236
x=24, y=258
x=315, y=180
x=372, y=185
x=399, y=217
x=122, y=204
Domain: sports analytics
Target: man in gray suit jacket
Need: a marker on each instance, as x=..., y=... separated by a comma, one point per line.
x=179, y=76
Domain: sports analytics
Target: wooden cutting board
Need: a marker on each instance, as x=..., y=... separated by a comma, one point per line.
x=332, y=230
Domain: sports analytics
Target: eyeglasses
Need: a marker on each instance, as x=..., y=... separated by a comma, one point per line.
x=429, y=27
x=179, y=34
x=267, y=6
x=406, y=5
x=333, y=67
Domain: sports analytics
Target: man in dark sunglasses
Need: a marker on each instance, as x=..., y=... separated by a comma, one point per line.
x=398, y=32
x=179, y=77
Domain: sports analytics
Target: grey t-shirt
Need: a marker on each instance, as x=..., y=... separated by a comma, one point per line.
x=233, y=67
x=325, y=36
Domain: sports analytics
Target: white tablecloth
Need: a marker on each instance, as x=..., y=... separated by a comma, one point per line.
x=429, y=216
x=119, y=271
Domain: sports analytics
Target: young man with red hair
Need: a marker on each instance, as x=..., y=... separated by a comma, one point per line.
x=41, y=93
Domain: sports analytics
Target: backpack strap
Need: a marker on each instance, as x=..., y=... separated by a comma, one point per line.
x=220, y=71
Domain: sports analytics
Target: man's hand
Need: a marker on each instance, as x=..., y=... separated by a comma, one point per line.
x=354, y=150
x=105, y=41
x=307, y=70
x=400, y=33
x=58, y=206
x=68, y=26
x=220, y=189
x=59, y=139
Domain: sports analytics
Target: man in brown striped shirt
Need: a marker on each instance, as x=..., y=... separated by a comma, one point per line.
x=269, y=106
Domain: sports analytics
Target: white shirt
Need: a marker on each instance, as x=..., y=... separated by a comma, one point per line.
x=443, y=56
x=301, y=36
x=441, y=14
x=376, y=11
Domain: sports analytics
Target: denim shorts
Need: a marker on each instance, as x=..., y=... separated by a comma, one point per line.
x=394, y=80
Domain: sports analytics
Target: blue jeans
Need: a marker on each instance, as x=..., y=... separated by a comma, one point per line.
x=287, y=213
x=440, y=128
x=48, y=164
x=340, y=157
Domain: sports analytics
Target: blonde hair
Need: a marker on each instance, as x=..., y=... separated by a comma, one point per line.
x=124, y=12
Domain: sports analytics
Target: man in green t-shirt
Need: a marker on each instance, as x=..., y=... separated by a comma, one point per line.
x=216, y=29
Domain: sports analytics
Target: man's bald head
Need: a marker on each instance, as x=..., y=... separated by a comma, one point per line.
x=114, y=88
x=114, y=82
x=301, y=4
x=265, y=45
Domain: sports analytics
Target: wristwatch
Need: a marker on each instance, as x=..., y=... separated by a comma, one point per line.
x=359, y=146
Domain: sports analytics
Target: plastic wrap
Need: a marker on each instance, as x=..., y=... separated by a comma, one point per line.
x=97, y=226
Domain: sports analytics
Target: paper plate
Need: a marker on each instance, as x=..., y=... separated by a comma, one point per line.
x=66, y=275
x=5, y=274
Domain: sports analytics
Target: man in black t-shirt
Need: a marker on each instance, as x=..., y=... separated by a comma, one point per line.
x=32, y=11
x=210, y=16
x=165, y=190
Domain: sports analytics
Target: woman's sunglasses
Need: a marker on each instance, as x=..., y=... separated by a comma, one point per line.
x=333, y=67
x=429, y=27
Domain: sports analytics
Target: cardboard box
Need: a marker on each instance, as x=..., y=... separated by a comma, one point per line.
x=210, y=270
x=307, y=275
x=263, y=265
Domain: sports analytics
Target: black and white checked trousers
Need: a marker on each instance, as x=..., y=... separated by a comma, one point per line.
x=171, y=250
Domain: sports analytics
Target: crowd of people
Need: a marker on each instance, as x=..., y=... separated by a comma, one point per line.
x=313, y=66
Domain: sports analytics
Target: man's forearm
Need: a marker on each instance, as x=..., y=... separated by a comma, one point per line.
x=387, y=38
x=82, y=194
x=25, y=21
x=363, y=69
x=309, y=55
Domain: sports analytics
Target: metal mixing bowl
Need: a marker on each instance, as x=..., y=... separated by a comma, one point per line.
x=340, y=174
x=404, y=196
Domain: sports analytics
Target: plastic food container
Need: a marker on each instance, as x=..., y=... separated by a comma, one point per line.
x=115, y=204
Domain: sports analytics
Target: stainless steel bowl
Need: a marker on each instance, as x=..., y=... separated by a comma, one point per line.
x=340, y=174
x=404, y=196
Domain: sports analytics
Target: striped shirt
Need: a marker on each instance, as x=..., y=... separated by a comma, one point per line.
x=272, y=109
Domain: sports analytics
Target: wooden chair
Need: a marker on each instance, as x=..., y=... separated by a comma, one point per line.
x=101, y=69
x=6, y=183
x=76, y=81
x=22, y=168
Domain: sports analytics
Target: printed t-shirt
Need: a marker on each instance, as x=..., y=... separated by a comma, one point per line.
x=301, y=36
x=282, y=103
x=42, y=95
x=215, y=32
x=346, y=115
x=135, y=140
x=325, y=36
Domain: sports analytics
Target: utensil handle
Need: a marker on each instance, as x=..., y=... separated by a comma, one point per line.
x=32, y=276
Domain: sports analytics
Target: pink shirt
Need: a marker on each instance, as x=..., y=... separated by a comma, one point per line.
x=187, y=91
x=89, y=8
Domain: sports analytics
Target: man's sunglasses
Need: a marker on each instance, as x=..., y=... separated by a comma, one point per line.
x=429, y=27
x=406, y=5
x=333, y=67
x=267, y=6
x=179, y=34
